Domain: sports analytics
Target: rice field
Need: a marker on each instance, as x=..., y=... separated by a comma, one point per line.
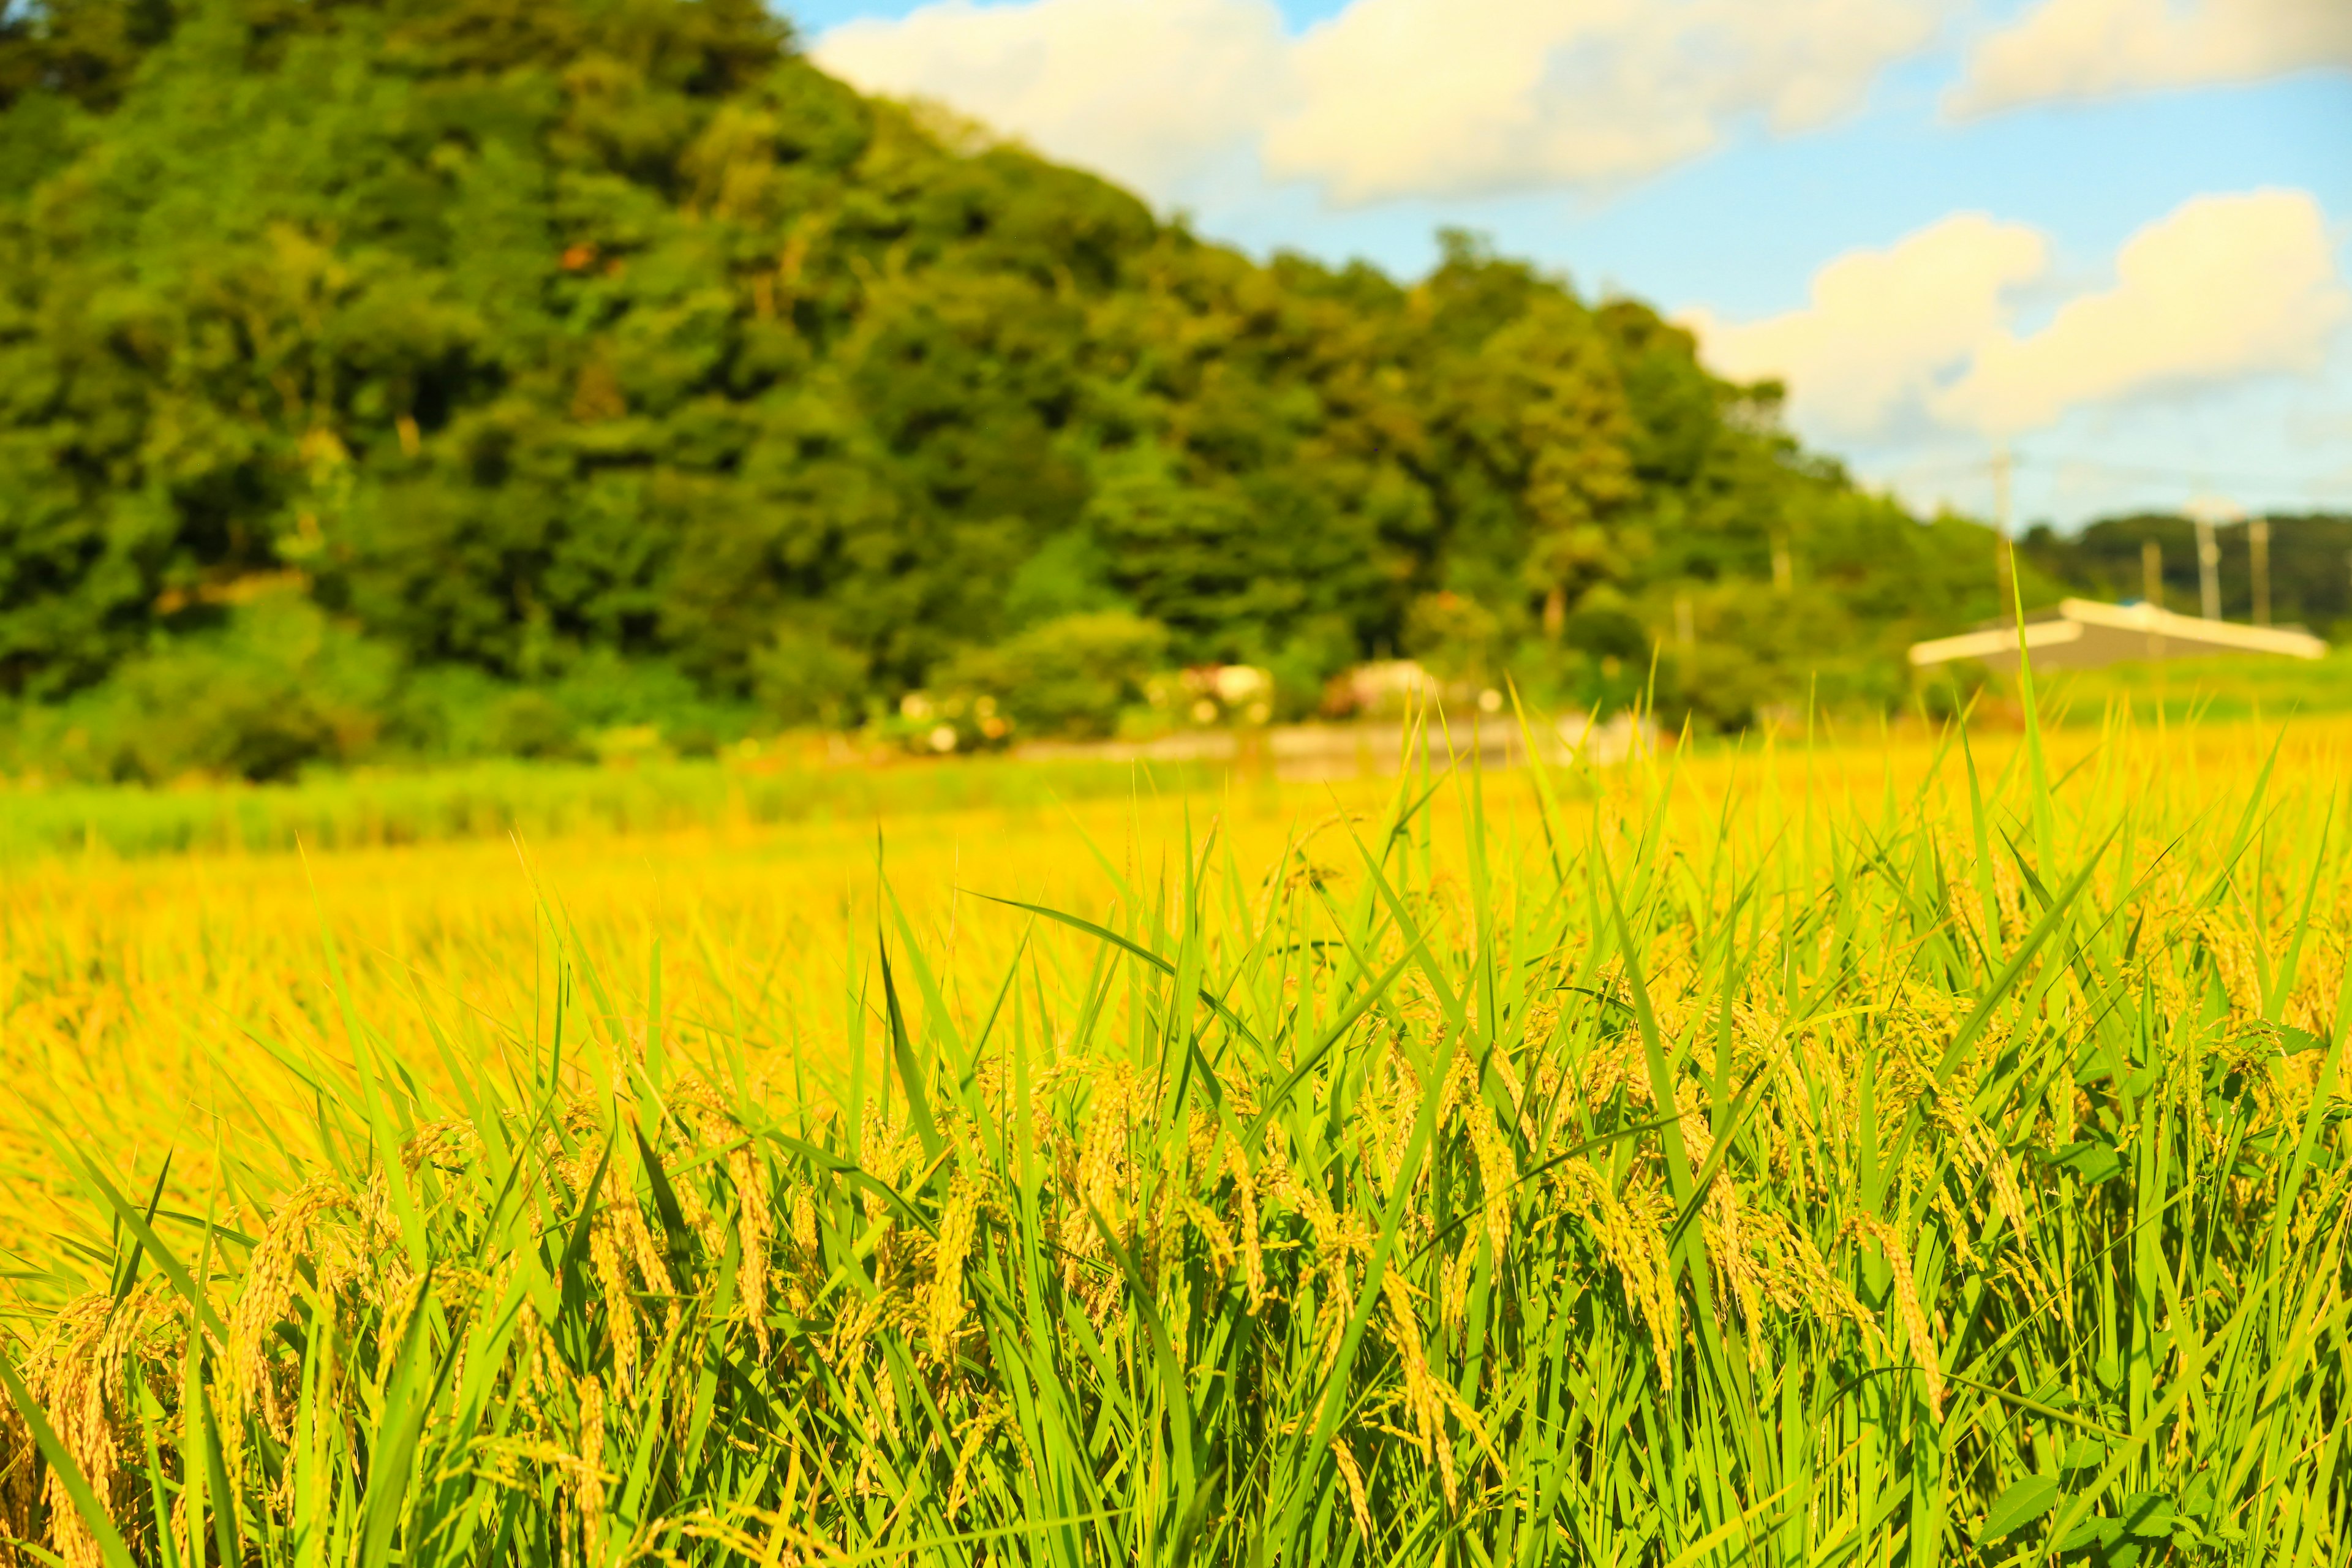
x=1877, y=1152
x=370, y=810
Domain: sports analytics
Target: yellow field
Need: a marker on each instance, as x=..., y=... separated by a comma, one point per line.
x=143, y=997
x=1862, y=1152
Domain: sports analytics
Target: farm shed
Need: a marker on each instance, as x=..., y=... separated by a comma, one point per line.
x=2083, y=634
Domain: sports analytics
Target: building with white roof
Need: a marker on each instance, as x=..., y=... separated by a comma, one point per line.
x=2083, y=634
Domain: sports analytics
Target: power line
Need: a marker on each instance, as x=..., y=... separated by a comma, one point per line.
x=1981, y=470
x=2192, y=476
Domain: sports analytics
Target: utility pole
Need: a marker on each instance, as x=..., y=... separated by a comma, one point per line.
x=2004, y=555
x=2258, y=535
x=2206, y=511
x=2209, y=570
x=2151, y=589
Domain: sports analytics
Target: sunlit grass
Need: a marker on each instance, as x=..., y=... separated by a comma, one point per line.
x=498, y=799
x=1801, y=1154
x=2225, y=689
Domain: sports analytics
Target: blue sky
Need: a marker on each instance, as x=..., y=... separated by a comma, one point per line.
x=2114, y=235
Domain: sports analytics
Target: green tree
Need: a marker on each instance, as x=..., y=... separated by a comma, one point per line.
x=535, y=341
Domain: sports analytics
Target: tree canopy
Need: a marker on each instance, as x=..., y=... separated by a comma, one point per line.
x=511, y=365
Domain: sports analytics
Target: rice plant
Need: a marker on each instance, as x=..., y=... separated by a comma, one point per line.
x=1578, y=1169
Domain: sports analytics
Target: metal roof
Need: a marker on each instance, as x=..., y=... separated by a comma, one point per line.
x=2085, y=634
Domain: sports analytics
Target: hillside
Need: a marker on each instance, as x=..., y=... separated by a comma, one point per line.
x=444, y=377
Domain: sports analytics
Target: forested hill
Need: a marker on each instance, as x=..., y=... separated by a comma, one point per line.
x=435, y=375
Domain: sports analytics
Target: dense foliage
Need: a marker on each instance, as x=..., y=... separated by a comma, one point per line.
x=462, y=377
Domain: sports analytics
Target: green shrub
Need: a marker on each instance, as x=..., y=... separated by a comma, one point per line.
x=1603, y=625
x=1718, y=688
x=277, y=687
x=802, y=678
x=1456, y=637
x=1069, y=677
x=533, y=725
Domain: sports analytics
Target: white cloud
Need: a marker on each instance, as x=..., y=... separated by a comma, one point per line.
x=1146, y=91
x=2222, y=290
x=1417, y=98
x=2074, y=49
x=1884, y=325
x=1389, y=97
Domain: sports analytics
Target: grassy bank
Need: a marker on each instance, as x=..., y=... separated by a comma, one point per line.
x=2222, y=690
x=541, y=802
x=537, y=801
x=1914, y=1156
